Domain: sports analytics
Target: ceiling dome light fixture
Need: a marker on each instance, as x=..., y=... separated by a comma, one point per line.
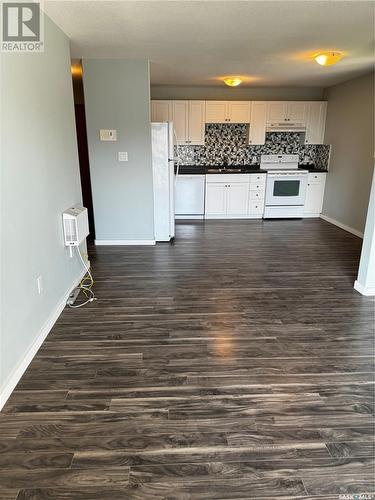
x=232, y=81
x=328, y=58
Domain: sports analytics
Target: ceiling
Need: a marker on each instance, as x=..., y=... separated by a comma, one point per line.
x=269, y=43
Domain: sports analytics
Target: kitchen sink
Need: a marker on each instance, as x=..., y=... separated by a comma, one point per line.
x=222, y=170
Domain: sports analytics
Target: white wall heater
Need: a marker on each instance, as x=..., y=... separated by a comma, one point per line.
x=76, y=225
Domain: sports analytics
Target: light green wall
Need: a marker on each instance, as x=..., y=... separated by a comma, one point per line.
x=117, y=94
x=237, y=93
x=350, y=130
x=366, y=272
x=39, y=180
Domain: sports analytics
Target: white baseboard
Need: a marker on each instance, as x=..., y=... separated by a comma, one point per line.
x=125, y=242
x=368, y=291
x=33, y=349
x=188, y=217
x=342, y=226
x=231, y=217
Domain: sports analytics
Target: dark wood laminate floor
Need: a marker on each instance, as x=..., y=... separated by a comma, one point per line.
x=236, y=363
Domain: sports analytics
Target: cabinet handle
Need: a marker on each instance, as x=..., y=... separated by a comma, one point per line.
x=250, y=142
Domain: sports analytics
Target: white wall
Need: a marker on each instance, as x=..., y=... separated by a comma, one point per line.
x=365, y=283
x=241, y=93
x=117, y=96
x=40, y=179
x=350, y=130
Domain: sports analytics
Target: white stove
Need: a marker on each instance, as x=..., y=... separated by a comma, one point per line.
x=286, y=186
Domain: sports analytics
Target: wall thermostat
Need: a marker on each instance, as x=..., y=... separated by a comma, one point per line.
x=108, y=135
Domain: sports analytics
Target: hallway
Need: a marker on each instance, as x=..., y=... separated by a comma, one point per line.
x=236, y=363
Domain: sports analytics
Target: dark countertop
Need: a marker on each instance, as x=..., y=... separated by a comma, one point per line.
x=207, y=169
x=245, y=169
x=313, y=169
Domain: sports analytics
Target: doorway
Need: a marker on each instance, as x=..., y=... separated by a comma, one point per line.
x=83, y=151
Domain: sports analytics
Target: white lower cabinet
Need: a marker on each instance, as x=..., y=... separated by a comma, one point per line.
x=314, y=194
x=216, y=198
x=237, y=198
x=232, y=196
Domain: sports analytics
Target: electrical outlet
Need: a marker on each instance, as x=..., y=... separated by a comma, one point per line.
x=123, y=156
x=39, y=284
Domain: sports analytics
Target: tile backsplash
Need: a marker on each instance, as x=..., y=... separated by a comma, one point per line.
x=229, y=142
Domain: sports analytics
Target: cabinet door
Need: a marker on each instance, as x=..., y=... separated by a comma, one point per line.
x=314, y=195
x=238, y=111
x=237, y=198
x=315, y=123
x=296, y=112
x=258, y=118
x=196, y=122
x=277, y=112
x=180, y=120
x=216, y=112
x=216, y=199
x=161, y=111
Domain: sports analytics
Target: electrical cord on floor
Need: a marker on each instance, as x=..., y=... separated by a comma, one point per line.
x=86, y=288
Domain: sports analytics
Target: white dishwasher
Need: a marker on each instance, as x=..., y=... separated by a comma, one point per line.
x=189, y=196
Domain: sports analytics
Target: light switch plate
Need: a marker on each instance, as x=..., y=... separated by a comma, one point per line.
x=39, y=284
x=123, y=156
x=108, y=135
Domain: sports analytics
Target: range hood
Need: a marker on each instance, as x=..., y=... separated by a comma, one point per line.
x=286, y=127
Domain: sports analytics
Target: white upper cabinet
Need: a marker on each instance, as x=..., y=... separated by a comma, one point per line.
x=257, y=131
x=180, y=120
x=196, y=122
x=315, y=122
x=216, y=111
x=287, y=111
x=296, y=112
x=188, y=121
x=238, y=111
x=228, y=111
x=277, y=111
x=161, y=111
x=189, y=117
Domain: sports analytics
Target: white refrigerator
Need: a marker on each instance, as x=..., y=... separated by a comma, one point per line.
x=163, y=178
